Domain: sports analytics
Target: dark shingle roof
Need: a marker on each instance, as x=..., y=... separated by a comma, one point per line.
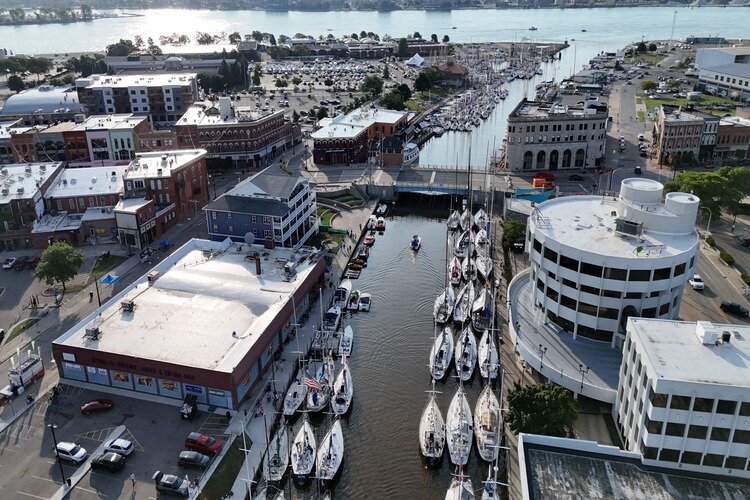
x=247, y=205
x=275, y=182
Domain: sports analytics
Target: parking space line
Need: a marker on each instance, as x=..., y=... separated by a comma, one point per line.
x=30, y=495
x=76, y=487
x=129, y=436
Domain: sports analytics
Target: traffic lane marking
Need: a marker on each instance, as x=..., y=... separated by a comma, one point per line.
x=30, y=495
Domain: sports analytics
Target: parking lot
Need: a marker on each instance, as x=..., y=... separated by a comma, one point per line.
x=30, y=470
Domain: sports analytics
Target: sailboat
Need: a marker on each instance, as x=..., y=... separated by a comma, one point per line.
x=346, y=341
x=454, y=271
x=469, y=269
x=466, y=220
x=487, y=425
x=488, y=356
x=454, y=220
x=320, y=387
x=343, y=390
x=480, y=218
x=432, y=429
x=441, y=354
x=277, y=459
x=303, y=451
x=490, y=490
x=459, y=432
x=462, y=244
x=330, y=453
x=444, y=305
x=296, y=393
x=460, y=488
x=464, y=303
x=484, y=265
x=481, y=237
x=481, y=311
x=466, y=354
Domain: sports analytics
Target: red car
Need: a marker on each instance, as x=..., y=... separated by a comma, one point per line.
x=96, y=405
x=203, y=443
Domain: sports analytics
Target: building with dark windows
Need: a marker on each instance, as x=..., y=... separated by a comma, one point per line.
x=275, y=206
x=206, y=321
x=683, y=400
x=552, y=136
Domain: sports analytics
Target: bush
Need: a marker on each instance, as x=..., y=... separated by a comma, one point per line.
x=726, y=257
x=710, y=241
x=745, y=278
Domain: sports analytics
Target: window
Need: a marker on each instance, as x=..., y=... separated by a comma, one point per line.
x=216, y=228
x=213, y=215
x=735, y=463
x=158, y=183
x=72, y=203
x=650, y=453
x=567, y=302
x=550, y=255
x=633, y=295
x=608, y=312
x=229, y=215
x=675, y=429
x=640, y=274
x=591, y=269
x=742, y=437
x=569, y=263
x=151, y=183
x=725, y=406
x=586, y=309
x=679, y=270
x=552, y=294
x=697, y=431
x=713, y=460
x=664, y=309
x=267, y=233
x=745, y=410
x=691, y=457
x=668, y=455
x=590, y=289
x=254, y=219
x=612, y=294
x=653, y=426
x=166, y=196
x=266, y=220
x=703, y=404
x=657, y=400
x=537, y=246
x=720, y=434
x=569, y=283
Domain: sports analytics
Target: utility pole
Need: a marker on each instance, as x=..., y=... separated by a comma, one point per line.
x=52, y=427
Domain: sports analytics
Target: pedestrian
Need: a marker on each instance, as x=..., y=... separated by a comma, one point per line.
x=733, y=227
x=91, y=296
x=132, y=480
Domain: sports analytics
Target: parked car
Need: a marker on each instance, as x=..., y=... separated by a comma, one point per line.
x=638, y=170
x=203, y=443
x=71, y=452
x=734, y=308
x=21, y=263
x=32, y=262
x=167, y=483
x=193, y=459
x=2, y=335
x=121, y=446
x=113, y=462
x=96, y=405
x=697, y=282
x=8, y=263
x=575, y=177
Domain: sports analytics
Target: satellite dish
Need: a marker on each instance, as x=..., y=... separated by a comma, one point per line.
x=249, y=238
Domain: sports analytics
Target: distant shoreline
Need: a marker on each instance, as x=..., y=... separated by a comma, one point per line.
x=105, y=15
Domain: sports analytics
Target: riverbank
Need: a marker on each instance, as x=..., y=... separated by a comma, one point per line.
x=44, y=22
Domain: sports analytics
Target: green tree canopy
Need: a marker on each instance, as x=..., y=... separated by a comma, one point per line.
x=422, y=83
x=513, y=231
x=86, y=12
x=652, y=47
x=434, y=38
x=234, y=37
x=121, y=48
x=540, y=409
x=322, y=112
x=648, y=85
x=372, y=85
x=724, y=188
x=641, y=47
x=403, y=48
x=386, y=73
x=446, y=39
x=15, y=83
x=404, y=90
x=392, y=100
x=60, y=263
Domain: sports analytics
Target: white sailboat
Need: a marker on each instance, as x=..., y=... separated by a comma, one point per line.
x=432, y=429
x=487, y=424
x=444, y=304
x=469, y=268
x=319, y=388
x=481, y=311
x=303, y=451
x=458, y=425
x=481, y=238
x=296, y=393
x=464, y=303
x=460, y=488
x=277, y=459
x=484, y=266
x=466, y=220
x=330, y=453
x=480, y=218
x=454, y=271
x=343, y=390
x=462, y=244
x=441, y=353
x=346, y=342
x=454, y=220
x=341, y=295
x=491, y=486
x=466, y=354
x=488, y=356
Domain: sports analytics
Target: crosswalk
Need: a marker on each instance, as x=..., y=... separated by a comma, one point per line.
x=215, y=425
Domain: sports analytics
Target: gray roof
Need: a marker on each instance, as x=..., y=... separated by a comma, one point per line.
x=45, y=98
x=735, y=69
x=246, y=205
x=273, y=181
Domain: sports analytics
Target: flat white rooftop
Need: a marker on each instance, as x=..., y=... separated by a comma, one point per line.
x=206, y=309
x=131, y=205
x=352, y=124
x=124, y=81
x=675, y=353
x=124, y=121
x=21, y=179
x=161, y=163
x=89, y=181
x=60, y=222
x=196, y=115
x=587, y=223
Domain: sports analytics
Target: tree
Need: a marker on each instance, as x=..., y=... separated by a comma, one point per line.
x=328, y=82
x=38, y=65
x=372, y=85
x=652, y=47
x=404, y=90
x=416, y=35
x=723, y=188
x=283, y=39
x=256, y=75
x=281, y=83
x=15, y=83
x=392, y=100
x=403, y=48
x=363, y=34
x=641, y=47
x=17, y=15
x=322, y=112
x=673, y=85
x=386, y=73
x=513, y=231
x=434, y=38
x=257, y=36
x=296, y=80
x=446, y=39
x=540, y=409
x=271, y=40
x=60, y=262
x=121, y=48
x=235, y=37
x=422, y=83
x=354, y=36
x=86, y=12
x=648, y=85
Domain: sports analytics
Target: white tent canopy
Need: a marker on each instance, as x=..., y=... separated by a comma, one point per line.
x=415, y=61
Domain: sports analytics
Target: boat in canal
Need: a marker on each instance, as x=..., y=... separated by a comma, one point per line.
x=303, y=451
x=369, y=240
x=411, y=153
x=444, y=305
x=466, y=354
x=469, y=269
x=343, y=390
x=454, y=220
x=462, y=244
x=480, y=219
x=341, y=295
x=484, y=266
x=277, y=455
x=491, y=485
x=415, y=243
x=480, y=239
x=432, y=429
x=365, y=300
x=363, y=253
x=330, y=453
x=352, y=303
x=466, y=220
x=458, y=427
x=319, y=388
x=481, y=311
x=460, y=488
x=372, y=221
x=380, y=224
x=487, y=424
x=489, y=363
x=296, y=393
x=331, y=319
x=346, y=341
x=454, y=271
x=464, y=302
x=441, y=353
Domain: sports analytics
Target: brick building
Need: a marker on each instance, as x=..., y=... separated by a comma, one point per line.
x=677, y=135
x=733, y=138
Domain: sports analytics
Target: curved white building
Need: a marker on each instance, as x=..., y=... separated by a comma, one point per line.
x=597, y=261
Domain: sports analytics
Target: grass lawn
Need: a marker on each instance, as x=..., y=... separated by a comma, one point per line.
x=638, y=99
x=21, y=327
x=317, y=240
x=223, y=477
x=325, y=215
x=706, y=100
x=641, y=116
x=104, y=265
x=649, y=57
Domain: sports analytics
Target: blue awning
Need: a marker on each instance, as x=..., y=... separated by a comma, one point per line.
x=108, y=279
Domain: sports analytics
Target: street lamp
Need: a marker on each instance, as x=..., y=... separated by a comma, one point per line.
x=583, y=371
x=542, y=350
x=612, y=174
x=52, y=427
x=708, y=225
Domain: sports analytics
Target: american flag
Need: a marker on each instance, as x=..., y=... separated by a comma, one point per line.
x=313, y=384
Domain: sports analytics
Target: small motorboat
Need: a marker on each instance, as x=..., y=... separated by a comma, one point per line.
x=369, y=240
x=365, y=300
x=411, y=153
x=341, y=295
x=533, y=28
x=454, y=220
x=432, y=429
x=303, y=451
x=458, y=427
x=371, y=222
x=466, y=354
x=487, y=424
x=343, y=391
x=382, y=210
x=346, y=341
x=277, y=461
x=295, y=394
x=444, y=304
x=441, y=354
x=380, y=224
x=415, y=243
x=330, y=453
x=363, y=253
x=454, y=271
x=331, y=319
x=353, y=303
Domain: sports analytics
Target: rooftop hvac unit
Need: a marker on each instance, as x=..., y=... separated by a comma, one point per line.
x=92, y=333
x=42, y=167
x=127, y=305
x=5, y=191
x=151, y=277
x=629, y=227
x=20, y=190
